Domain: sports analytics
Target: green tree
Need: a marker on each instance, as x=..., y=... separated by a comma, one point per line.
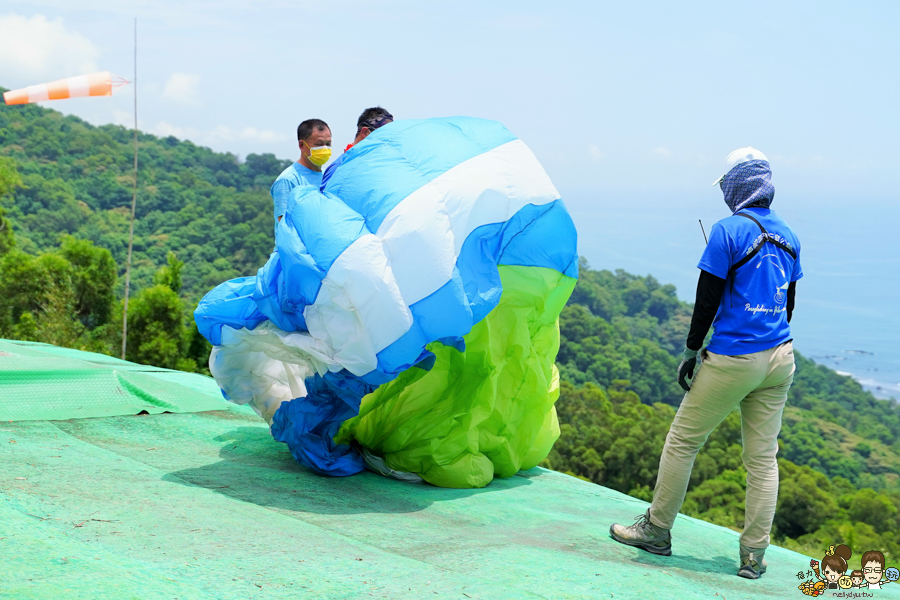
x=32, y=285
x=93, y=280
x=874, y=509
x=805, y=501
x=156, y=327
x=719, y=500
x=9, y=179
x=55, y=323
x=170, y=275
x=197, y=349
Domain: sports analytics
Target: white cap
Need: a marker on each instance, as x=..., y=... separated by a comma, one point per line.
x=741, y=155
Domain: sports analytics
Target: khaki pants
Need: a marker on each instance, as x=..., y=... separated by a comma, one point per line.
x=759, y=384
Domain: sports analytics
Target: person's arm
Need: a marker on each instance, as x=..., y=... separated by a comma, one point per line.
x=709, y=294
x=792, y=290
x=280, y=191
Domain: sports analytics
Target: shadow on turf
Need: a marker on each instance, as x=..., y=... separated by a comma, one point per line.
x=257, y=469
x=716, y=564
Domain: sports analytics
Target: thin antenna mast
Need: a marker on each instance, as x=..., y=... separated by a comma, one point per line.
x=133, y=204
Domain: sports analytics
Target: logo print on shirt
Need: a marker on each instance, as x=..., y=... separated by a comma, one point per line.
x=780, y=296
x=781, y=292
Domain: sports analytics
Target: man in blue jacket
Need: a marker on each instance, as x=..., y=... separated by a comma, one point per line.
x=748, y=275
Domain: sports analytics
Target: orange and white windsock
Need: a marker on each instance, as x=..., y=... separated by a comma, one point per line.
x=95, y=84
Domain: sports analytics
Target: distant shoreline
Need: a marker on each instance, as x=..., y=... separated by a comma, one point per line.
x=879, y=389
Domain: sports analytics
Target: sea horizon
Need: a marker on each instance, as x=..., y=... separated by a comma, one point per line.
x=846, y=314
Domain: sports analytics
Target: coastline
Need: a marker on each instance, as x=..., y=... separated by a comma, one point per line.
x=865, y=368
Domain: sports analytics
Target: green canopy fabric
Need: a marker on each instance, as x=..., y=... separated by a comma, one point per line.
x=485, y=411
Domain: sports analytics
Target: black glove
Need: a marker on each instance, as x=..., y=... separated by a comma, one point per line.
x=686, y=368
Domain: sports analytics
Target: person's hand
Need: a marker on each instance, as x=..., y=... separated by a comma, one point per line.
x=686, y=368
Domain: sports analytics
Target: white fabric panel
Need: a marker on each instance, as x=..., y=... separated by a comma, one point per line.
x=37, y=93
x=267, y=366
x=358, y=306
x=489, y=188
x=362, y=306
x=79, y=86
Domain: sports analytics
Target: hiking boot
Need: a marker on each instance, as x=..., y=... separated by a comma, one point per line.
x=753, y=563
x=644, y=535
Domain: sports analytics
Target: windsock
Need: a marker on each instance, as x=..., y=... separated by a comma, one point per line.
x=95, y=84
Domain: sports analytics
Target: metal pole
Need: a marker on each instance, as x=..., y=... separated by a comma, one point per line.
x=133, y=204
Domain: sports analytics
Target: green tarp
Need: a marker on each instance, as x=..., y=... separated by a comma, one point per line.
x=44, y=382
x=206, y=505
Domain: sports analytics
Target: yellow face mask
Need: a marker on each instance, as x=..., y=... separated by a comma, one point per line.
x=319, y=155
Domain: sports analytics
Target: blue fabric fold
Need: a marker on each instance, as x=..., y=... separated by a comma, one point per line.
x=308, y=424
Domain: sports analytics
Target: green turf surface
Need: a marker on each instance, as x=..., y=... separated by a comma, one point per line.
x=207, y=505
x=44, y=382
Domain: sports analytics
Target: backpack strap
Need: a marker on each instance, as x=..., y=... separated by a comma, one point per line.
x=768, y=239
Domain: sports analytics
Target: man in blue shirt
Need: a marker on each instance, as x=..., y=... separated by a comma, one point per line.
x=370, y=120
x=314, y=139
x=746, y=292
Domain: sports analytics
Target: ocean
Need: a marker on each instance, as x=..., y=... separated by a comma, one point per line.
x=847, y=313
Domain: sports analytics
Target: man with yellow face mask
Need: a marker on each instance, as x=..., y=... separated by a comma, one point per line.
x=314, y=139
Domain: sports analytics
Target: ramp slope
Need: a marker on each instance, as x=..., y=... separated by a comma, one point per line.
x=207, y=505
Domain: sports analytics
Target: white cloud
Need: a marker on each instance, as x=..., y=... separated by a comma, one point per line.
x=595, y=152
x=218, y=135
x=183, y=88
x=182, y=14
x=247, y=134
x=661, y=152
x=124, y=118
x=34, y=49
x=165, y=129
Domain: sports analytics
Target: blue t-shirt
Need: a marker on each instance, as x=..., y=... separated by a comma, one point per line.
x=752, y=314
x=294, y=176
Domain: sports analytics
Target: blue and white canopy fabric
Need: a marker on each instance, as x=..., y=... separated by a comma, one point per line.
x=405, y=247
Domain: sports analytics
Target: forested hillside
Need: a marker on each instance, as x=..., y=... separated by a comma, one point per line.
x=205, y=217
x=211, y=209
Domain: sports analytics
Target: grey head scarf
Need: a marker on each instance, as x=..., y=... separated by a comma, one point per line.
x=748, y=184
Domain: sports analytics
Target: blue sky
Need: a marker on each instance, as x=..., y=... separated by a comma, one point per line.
x=630, y=106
